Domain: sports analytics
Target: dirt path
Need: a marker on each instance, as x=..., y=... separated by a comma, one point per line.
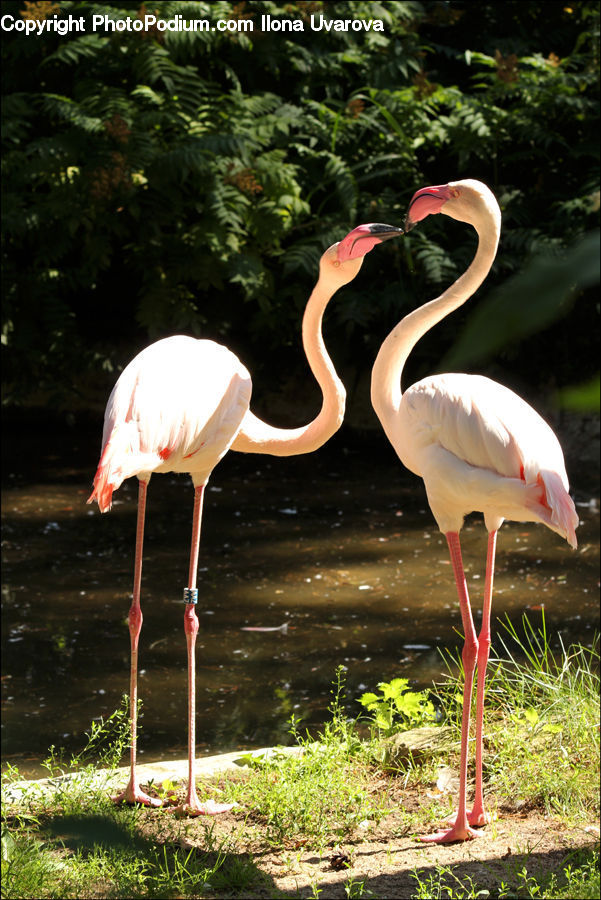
x=381, y=860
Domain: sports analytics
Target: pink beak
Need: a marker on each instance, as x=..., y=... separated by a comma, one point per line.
x=425, y=202
x=364, y=238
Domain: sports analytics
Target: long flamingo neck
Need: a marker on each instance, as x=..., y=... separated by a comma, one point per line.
x=256, y=436
x=386, y=392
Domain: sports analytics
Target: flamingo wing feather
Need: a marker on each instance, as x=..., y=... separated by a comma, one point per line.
x=176, y=407
x=479, y=446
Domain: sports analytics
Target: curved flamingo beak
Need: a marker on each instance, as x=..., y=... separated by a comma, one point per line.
x=364, y=238
x=427, y=201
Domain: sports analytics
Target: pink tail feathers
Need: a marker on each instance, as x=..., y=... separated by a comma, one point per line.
x=116, y=464
x=557, y=509
x=104, y=484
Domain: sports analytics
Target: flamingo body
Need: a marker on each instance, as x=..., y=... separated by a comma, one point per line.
x=176, y=407
x=480, y=447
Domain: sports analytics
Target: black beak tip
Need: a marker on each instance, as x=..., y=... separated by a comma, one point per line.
x=385, y=232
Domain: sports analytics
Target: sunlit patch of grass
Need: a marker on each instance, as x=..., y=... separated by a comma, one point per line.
x=546, y=743
x=324, y=793
x=541, y=726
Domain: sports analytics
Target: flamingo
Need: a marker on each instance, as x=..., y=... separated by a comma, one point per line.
x=179, y=406
x=477, y=446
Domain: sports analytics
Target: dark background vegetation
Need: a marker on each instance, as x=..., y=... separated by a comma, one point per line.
x=173, y=182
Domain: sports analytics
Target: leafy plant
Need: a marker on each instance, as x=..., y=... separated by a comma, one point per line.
x=397, y=707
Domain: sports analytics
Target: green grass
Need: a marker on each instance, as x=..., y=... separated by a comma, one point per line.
x=78, y=843
x=323, y=794
x=104, y=851
x=541, y=723
x=542, y=753
x=577, y=879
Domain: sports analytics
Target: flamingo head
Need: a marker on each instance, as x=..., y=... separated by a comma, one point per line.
x=341, y=262
x=426, y=202
x=364, y=238
x=462, y=200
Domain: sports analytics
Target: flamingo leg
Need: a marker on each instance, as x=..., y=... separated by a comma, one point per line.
x=192, y=806
x=133, y=793
x=477, y=815
x=460, y=830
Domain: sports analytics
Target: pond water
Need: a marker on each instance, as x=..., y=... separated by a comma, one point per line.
x=339, y=547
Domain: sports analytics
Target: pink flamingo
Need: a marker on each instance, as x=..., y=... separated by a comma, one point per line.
x=477, y=446
x=179, y=406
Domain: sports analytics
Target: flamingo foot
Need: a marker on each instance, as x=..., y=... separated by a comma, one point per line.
x=455, y=833
x=134, y=794
x=193, y=807
x=476, y=818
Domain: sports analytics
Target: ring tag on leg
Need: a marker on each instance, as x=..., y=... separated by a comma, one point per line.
x=191, y=595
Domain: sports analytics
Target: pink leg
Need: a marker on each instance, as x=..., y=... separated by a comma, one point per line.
x=192, y=806
x=133, y=793
x=477, y=815
x=461, y=830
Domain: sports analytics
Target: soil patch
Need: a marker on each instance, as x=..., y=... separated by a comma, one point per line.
x=384, y=860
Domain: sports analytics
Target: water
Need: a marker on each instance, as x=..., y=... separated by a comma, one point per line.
x=340, y=547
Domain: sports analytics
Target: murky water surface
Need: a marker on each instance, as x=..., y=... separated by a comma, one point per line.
x=340, y=547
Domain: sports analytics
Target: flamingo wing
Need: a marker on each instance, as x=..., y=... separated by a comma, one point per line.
x=176, y=407
x=479, y=446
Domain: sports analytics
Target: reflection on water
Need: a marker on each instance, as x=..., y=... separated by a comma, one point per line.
x=340, y=547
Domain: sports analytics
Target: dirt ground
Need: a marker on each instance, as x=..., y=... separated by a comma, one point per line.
x=381, y=861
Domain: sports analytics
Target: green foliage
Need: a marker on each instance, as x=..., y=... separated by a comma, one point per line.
x=541, y=721
x=322, y=791
x=397, y=707
x=581, y=397
x=188, y=181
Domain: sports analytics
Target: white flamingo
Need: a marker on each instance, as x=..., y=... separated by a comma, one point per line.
x=477, y=445
x=179, y=406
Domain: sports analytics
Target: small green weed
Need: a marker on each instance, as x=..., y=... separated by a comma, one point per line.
x=578, y=878
x=397, y=707
x=443, y=883
x=108, y=739
x=356, y=889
